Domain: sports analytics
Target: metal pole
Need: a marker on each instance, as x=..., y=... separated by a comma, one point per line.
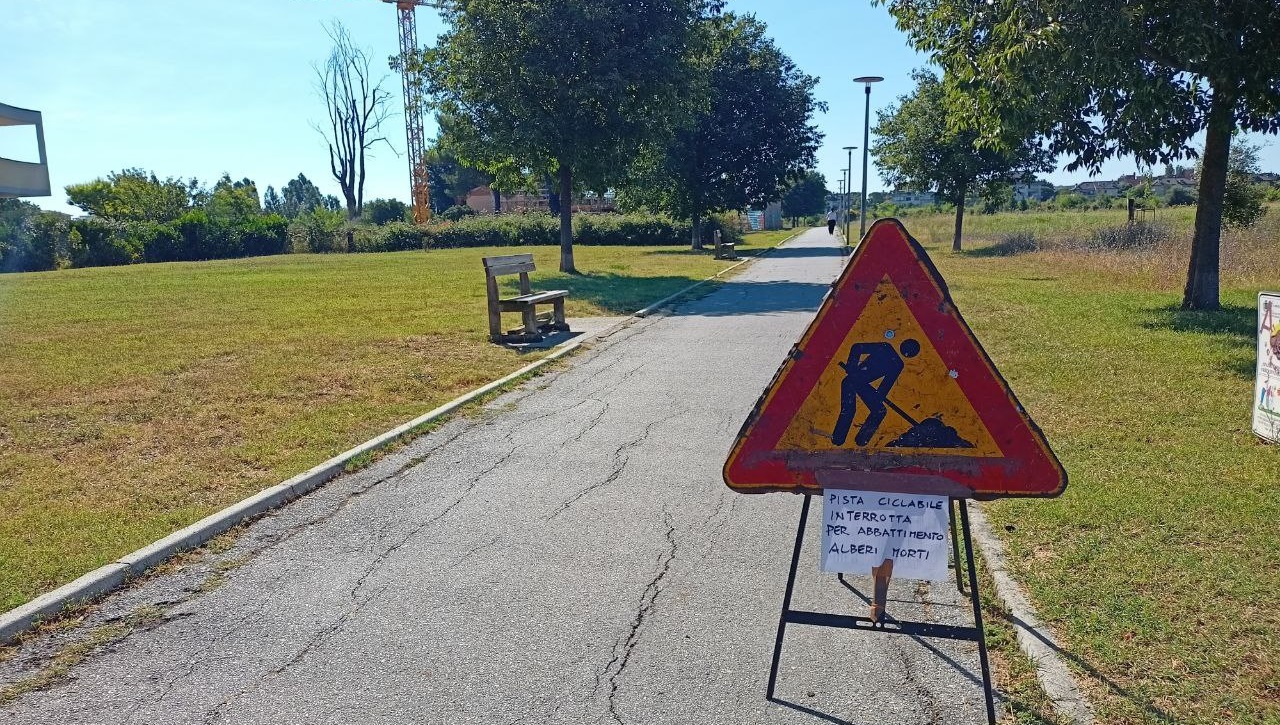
x=866, y=141
x=786, y=599
x=846, y=216
x=987, y=685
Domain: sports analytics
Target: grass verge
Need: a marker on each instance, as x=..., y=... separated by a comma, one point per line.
x=136, y=400
x=1156, y=566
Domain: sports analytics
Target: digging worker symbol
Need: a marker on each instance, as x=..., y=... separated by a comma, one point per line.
x=869, y=375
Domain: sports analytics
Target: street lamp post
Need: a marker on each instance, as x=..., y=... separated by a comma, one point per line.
x=866, y=141
x=844, y=184
x=850, y=150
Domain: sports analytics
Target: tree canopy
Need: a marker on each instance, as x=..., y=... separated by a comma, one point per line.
x=752, y=134
x=807, y=196
x=133, y=195
x=919, y=150
x=1138, y=77
x=573, y=87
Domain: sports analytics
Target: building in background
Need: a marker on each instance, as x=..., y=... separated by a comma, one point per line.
x=1033, y=190
x=24, y=178
x=912, y=198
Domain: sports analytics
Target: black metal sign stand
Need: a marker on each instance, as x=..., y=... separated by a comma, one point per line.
x=888, y=624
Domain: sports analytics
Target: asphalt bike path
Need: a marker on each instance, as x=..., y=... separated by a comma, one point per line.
x=568, y=555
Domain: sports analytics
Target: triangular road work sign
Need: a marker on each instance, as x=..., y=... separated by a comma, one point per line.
x=889, y=390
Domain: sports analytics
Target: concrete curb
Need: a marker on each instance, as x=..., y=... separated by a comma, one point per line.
x=1034, y=638
x=106, y=578
x=110, y=576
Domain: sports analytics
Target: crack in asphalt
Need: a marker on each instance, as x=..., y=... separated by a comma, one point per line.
x=620, y=460
x=623, y=649
x=386, y=553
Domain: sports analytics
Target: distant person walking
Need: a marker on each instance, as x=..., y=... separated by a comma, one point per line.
x=831, y=222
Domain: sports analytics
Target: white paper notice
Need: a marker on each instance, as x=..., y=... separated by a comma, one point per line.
x=861, y=529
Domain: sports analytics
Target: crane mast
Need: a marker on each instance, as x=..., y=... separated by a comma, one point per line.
x=413, y=107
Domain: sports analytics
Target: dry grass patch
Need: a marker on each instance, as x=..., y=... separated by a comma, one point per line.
x=136, y=400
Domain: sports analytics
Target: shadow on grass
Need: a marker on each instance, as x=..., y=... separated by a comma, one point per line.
x=615, y=293
x=1116, y=689
x=1233, y=325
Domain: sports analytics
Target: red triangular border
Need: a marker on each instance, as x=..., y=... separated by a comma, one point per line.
x=1029, y=467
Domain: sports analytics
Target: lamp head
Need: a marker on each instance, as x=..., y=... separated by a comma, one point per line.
x=868, y=79
x=850, y=148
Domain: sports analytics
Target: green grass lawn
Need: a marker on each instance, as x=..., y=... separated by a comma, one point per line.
x=136, y=400
x=1158, y=565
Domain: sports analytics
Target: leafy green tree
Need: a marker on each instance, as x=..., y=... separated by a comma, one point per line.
x=574, y=87
x=1242, y=202
x=728, y=158
x=806, y=197
x=918, y=149
x=301, y=196
x=272, y=203
x=1140, y=77
x=384, y=211
x=132, y=195
x=233, y=202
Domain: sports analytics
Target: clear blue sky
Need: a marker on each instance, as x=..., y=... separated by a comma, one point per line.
x=199, y=88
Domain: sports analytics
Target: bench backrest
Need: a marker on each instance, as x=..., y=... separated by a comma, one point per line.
x=507, y=264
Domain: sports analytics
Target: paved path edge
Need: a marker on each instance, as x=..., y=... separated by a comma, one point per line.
x=1034, y=638
x=108, y=577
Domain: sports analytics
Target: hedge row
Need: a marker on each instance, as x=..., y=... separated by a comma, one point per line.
x=53, y=242
x=521, y=230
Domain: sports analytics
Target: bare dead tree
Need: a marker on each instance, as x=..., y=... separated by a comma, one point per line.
x=356, y=107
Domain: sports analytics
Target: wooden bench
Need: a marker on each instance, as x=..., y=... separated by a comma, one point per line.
x=724, y=250
x=526, y=303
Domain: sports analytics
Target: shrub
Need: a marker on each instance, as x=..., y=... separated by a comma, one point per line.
x=1242, y=204
x=100, y=243
x=206, y=238
x=455, y=213
x=160, y=242
x=1013, y=243
x=319, y=231
x=392, y=237
x=264, y=235
x=1126, y=237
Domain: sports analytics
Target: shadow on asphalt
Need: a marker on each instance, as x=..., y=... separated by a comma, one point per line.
x=754, y=298
x=810, y=711
x=806, y=252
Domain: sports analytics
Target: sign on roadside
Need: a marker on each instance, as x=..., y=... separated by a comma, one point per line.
x=889, y=390
x=1266, y=393
x=861, y=530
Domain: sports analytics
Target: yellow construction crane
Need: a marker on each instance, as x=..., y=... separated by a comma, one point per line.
x=413, y=106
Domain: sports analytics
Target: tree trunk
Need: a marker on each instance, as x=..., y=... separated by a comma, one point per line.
x=1201, y=292
x=566, y=220
x=497, y=200
x=955, y=240
x=697, y=233
x=353, y=207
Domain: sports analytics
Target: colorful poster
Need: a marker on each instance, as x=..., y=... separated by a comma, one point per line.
x=1266, y=392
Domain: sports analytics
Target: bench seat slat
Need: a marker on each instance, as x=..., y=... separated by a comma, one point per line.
x=537, y=297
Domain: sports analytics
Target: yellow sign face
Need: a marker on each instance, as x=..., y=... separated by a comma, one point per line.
x=887, y=390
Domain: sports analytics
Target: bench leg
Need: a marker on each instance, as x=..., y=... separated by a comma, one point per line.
x=558, y=311
x=530, y=319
